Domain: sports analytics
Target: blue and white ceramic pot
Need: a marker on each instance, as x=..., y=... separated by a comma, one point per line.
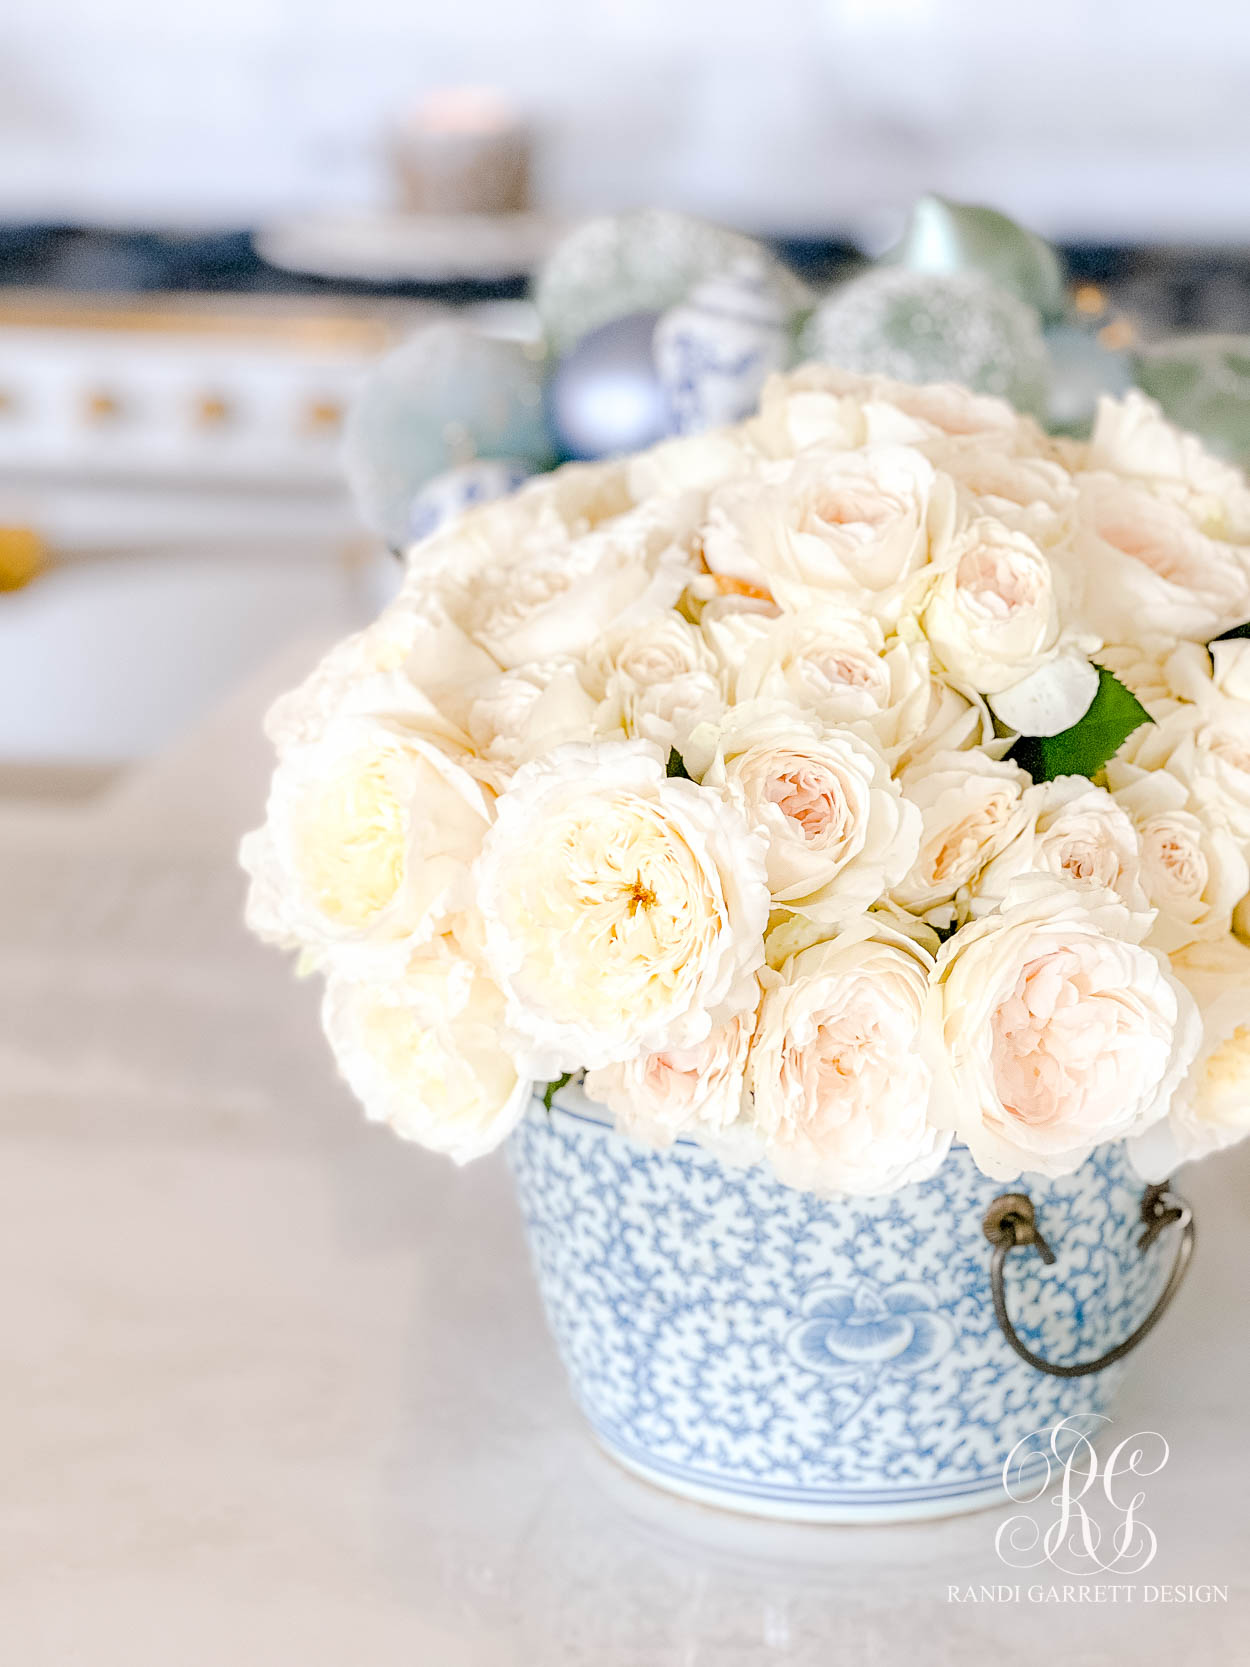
x=829, y=1360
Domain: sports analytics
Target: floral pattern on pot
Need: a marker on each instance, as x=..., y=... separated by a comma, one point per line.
x=755, y=1346
x=851, y=1329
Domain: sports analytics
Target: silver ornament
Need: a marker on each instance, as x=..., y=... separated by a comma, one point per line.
x=446, y=397
x=920, y=328
x=715, y=350
x=605, y=396
x=643, y=261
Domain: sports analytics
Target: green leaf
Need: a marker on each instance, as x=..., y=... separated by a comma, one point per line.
x=1114, y=713
x=676, y=765
x=1233, y=632
x=553, y=1088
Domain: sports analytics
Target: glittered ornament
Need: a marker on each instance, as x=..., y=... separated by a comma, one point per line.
x=447, y=495
x=1203, y=385
x=943, y=237
x=1082, y=369
x=447, y=397
x=644, y=261
x=605, y=396
x=919, y=328
x=715, y=350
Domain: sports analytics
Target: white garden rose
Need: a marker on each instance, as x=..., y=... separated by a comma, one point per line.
x=1080, y=834
x=370, y=834
x=424, y=1053
x=695, y=1091
x=971, y=808
x=413, y=655
x=839, y=832
x=1132, y=438
x=1203, y=737
x=835, y=665
x=1048, y=1034
x=831, y=623
x=989, y=607
x=1147, y=570
x=957, y=719
x=517, y=715
x=1211, y=1109
x=624, y=911
x=840, y=1087
x=535, y=600
x=1033, y=493
x=848, y=528
x=655, y=681
x=1193, y=870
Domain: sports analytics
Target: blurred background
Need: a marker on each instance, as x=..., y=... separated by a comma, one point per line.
x=214, y=217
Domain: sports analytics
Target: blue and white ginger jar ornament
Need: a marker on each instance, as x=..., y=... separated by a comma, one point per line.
x=644, y=261
x=715, y=350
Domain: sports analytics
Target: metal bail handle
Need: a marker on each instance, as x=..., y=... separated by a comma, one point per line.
x=1011, y=1221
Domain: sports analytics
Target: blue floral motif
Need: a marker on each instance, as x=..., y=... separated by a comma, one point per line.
x=769, y=1349
x=852, y=1327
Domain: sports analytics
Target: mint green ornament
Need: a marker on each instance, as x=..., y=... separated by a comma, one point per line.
x=943, y=237
x=1203, y=384
x=645, y=261
x=920, y=328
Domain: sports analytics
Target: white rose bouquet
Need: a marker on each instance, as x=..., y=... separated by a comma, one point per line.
x=871, y=775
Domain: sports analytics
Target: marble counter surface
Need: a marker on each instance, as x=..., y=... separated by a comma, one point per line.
x=275, y=1388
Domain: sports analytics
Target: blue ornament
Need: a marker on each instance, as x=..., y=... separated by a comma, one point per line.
x=446, y=398
x=606, y=397
x=447, y=495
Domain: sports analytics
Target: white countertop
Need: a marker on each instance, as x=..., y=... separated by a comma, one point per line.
x=275, y=1389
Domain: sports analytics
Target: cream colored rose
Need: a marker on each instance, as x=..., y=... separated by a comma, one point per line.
x=956, y=720
x=1202, y=737
x=1080, y=834
x=536, y=598
x=1132, y=438
x=517, y=715
x=824, y=405
x=1194, y=872
x=697, y=1091
x=815, y=405
x=624, y=911
x=989, y=608
x=655, y=681
x=971, y=808
x=368, y=843
x=1147, y=570
x=839, y=832
x=1033, y=493
x=692, y=463
x=848, y=528
x=1211, y=1109
x=424, y=1053
x=1049, y=1035
x=839, y=667
x=413, y=655
x=840, y=1087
